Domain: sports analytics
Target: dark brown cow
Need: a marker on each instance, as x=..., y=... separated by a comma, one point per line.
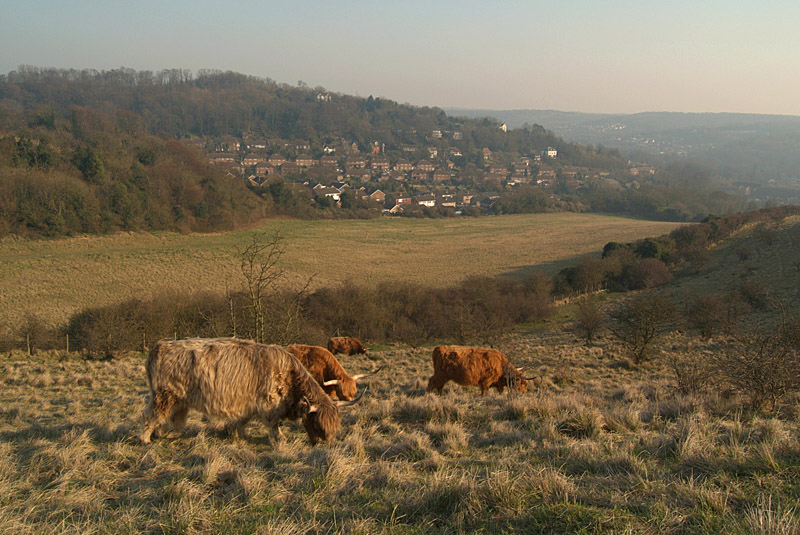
x=474, y=366
x=346, y=344
x=234, y=381
x=327, y=371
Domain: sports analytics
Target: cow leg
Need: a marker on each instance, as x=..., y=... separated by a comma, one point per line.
x=484, y=387
x=436, y=382
x=236, y=427
x=272, y=424
x=277, y=434
x=158, y=412
x=178, y=419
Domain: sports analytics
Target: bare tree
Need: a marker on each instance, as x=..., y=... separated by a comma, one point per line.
x=259, y=267
x=276, y=311
x=640, y=321
x=761, y=364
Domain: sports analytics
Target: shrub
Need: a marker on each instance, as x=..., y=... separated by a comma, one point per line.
x=691, y=371
x=590, y=319
x=754, y=292
x=640, y=321
x=763, y=365
x=707, y=313
x=647, y=273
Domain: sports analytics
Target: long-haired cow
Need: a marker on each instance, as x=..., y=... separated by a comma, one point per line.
x=346, y=345
x=327, y=371
x=474, y=366
x=234, y=380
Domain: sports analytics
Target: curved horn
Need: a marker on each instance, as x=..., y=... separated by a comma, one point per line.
x=530, y=378
x=331, y=382
x=311, y=408
x=354, y=401
x=520, y=369
x=362, y=375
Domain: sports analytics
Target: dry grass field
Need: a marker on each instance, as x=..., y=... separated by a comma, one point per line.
x=595, y=447
x=55, y=278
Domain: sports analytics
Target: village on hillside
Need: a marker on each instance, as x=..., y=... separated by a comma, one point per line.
x=437, y=175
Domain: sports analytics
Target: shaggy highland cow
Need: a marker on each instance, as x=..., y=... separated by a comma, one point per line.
x=234, y=381
x=474, y=366
x=327, y=371
x=346, y=345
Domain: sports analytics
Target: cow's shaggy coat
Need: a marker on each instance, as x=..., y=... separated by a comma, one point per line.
x=234, y=381
x=346, y=345
x=474, y=366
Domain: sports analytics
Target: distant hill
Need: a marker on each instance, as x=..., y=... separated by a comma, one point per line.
x=746, y=149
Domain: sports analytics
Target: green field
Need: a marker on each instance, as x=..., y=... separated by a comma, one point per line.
x=55, y=278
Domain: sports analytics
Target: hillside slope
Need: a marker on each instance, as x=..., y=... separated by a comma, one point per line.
x=761, y=261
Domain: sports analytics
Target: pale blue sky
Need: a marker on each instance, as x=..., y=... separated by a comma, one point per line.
x=579, y=55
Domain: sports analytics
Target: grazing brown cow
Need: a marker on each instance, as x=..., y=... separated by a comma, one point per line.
x=235, y=381
x=346, y=344
x=327, y=371
x=471, y=366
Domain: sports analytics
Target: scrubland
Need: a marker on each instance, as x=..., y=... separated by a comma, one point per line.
x=596, y=446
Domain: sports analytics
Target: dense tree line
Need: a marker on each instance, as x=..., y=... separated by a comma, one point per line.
x=214, y=103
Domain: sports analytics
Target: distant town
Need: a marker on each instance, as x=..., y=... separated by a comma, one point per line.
x=438, y=175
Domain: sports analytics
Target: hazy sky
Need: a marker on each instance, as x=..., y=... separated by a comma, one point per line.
x=572, y=55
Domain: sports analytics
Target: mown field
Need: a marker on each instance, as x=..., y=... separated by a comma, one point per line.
x=55, y=278
x=595, y=446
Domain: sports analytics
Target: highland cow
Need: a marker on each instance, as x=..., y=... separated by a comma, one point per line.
x=346, y=345
x=234, y=381
x=474, y=366
x=327, y=371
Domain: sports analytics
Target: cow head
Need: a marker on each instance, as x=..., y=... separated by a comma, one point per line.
x=513, y=379
x=346, y=389
x=321, y=420
x=346, y=386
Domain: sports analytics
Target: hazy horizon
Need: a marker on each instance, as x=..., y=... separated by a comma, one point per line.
x=611, y=57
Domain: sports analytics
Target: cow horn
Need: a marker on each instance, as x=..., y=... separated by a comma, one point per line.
x=331, y=382
x=362, y=375
x=530, y=378
x=354, y=401
x=520, y=369
x=311, y=408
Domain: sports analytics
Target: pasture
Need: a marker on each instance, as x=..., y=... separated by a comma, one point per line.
x=53, y=279
x=594, y=447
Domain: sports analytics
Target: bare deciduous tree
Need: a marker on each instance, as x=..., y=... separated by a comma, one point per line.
x=638, y=322
x=261, y=272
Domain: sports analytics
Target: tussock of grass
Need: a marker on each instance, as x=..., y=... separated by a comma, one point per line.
x=768, y=518
x=584, y=423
